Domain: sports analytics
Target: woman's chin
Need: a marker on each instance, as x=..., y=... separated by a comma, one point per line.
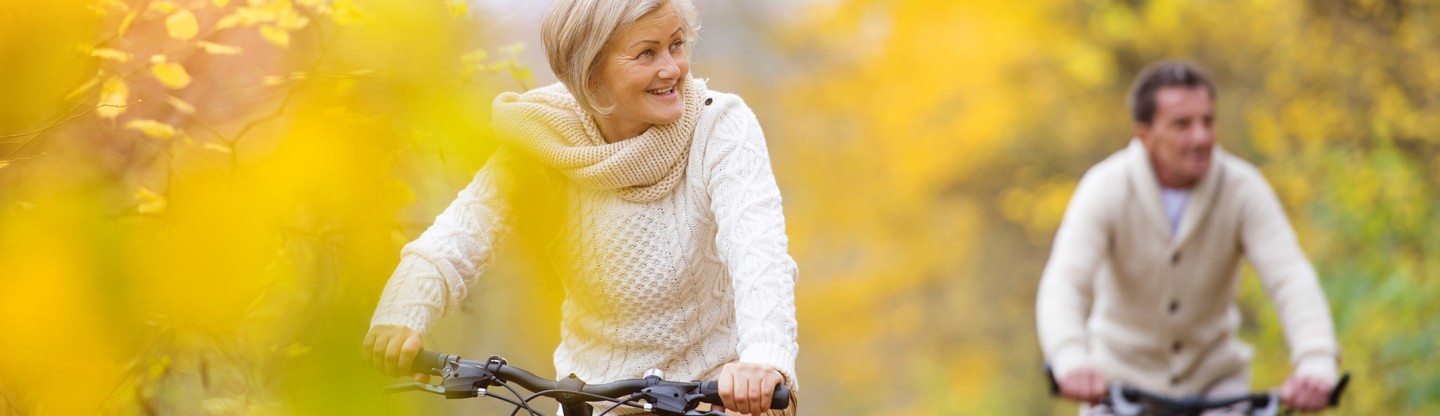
x=667, y=116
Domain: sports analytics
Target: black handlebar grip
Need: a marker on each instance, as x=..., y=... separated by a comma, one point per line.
x=429, y=362
x=1339, y=388
x=779, y=401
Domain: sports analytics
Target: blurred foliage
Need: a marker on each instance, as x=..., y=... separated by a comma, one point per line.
x=200, y=200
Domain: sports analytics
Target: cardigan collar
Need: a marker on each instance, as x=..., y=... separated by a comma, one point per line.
x=1147, y=190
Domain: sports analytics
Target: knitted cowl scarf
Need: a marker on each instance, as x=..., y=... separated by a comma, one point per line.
x=548, y=125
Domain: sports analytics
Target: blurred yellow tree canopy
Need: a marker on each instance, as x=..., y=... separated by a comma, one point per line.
x=200, y=200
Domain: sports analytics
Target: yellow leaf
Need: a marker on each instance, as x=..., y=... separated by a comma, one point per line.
x=180, y=104
x=125, y=24
x=250, y=15
x=229, y=21
x=310, y=3
x=117, y=5
x=172, y=75
x=83, y=88
x=220, y=3
x=113, y=94
x=457, y=8
x=296, y=350
x=277, y=36
x=346, y=12
x=4, y=163
x=152, y=203
x=111, y=54
x=181, y=25
x=474, y=59
x=513, y=49
x=153, y=129
x=292, y=21
x=218, y=49
x=217, y=147
x=279, y=7
x=159, y=367
x=163, y=6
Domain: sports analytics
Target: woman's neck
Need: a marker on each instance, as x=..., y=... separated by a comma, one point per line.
x=614, y=129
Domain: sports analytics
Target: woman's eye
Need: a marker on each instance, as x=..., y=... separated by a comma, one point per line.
x=645, y=54
x=677, y=44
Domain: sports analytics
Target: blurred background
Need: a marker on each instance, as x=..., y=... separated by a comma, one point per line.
x=200, y=200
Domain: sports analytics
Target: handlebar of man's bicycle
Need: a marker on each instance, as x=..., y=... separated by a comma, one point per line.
x=1131, y=397
x=463, y=378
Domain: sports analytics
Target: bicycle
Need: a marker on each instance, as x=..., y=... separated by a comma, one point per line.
x=462, y=379
x=1124, y=400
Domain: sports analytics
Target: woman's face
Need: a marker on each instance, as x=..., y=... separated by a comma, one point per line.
x=642, y=73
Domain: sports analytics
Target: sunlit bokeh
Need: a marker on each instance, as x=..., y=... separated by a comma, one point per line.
x=200, y=200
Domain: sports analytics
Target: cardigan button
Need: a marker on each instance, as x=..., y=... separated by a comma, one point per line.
x=1175, y=259
x=709, y=100
x=1174, y=306
x=1174, y=380
x=1175, y=347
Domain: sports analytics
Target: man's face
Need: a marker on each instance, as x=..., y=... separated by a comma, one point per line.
x=1181, y=135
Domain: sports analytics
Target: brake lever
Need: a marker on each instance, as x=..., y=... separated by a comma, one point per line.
x=1271, y=409
x=1119, y=405
x=412, y=386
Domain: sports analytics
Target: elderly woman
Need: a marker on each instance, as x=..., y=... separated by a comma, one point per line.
x=675, y=251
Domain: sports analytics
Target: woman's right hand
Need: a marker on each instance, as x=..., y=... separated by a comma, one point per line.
x=392, y=349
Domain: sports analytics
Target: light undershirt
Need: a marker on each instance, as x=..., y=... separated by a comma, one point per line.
x=1174, y=201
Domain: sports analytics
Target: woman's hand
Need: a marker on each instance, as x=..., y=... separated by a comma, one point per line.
x=392, y=349
x=1306, y=393
x=747, y=388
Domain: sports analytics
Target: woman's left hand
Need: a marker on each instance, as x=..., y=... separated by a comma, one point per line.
x=747, y=388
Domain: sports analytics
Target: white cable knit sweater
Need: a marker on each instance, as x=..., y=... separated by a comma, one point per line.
x=695, y=279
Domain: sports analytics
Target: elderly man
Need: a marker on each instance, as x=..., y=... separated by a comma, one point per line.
x=1140, y=287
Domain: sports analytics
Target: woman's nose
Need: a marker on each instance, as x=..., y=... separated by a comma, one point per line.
x=669, y=68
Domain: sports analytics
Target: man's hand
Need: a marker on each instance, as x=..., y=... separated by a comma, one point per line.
x=747, y=388
x=1085, y=384
x=392, y=349
x=1306, y=393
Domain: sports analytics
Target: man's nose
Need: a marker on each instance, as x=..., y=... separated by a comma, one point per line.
x=1201, y=134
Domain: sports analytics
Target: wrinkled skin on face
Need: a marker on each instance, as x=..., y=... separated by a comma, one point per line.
x=642, y=73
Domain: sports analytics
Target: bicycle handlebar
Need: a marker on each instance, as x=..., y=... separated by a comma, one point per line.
x=450, y=366
x=1131, y=397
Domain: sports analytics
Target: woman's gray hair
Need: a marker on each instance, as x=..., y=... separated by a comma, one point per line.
x=575, y=33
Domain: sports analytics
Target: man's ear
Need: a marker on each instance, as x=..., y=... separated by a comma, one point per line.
x=1142, y=131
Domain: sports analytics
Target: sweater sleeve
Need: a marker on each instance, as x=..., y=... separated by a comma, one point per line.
x=1290, y=281
x=751, y=240
x=436, y=269
x=1064, y=299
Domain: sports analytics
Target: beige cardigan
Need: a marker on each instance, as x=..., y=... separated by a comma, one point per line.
x=1158, y=313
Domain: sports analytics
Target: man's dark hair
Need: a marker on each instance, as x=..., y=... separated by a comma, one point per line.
x=1164, y=74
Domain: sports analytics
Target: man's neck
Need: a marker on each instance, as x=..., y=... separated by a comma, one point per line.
x=1169, y=180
